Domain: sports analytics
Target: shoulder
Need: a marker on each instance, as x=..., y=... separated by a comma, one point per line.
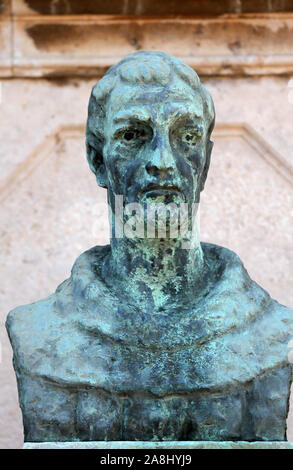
x=253, y=329
x=29, y=327
x=44, y=334
x=234, y=280
x=39, y=316
x=29, y=317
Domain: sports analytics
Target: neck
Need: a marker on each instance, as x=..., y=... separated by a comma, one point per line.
x=155, y=272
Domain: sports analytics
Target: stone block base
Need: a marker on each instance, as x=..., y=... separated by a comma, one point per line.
x=159, y=445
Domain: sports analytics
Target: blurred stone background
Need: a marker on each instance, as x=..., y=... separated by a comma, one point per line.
x=52, y=53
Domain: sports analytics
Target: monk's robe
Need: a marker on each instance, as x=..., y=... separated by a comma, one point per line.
x=91, y=366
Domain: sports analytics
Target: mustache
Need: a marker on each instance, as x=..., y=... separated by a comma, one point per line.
x=161, y=187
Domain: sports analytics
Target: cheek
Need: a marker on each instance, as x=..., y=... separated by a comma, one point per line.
x=196, y=159
x=190, y=165
x=115, y=158
x=121, y=166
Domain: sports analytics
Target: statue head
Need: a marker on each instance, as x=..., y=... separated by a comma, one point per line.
x=148, y=130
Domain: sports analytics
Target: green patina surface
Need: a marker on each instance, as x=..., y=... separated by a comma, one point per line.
x=157, y=338
x=150, y=143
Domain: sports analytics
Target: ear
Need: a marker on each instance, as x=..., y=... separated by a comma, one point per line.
x=204, y=175
x=96, y=163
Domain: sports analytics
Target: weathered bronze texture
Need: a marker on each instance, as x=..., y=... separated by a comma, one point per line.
x=153, y=337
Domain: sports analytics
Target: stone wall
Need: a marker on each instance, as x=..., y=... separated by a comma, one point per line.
x=51, y=54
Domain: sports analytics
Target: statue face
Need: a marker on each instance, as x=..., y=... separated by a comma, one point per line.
x=155, y=144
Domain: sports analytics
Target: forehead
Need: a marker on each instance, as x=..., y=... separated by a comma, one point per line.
x=151, y=102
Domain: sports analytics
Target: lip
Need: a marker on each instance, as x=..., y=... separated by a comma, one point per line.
x=161, y=189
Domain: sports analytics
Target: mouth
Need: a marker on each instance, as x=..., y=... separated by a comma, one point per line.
x=161, y=189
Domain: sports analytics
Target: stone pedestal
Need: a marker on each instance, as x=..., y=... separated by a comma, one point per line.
x=160, y=445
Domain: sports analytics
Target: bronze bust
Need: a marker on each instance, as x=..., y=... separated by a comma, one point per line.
x=153, y=337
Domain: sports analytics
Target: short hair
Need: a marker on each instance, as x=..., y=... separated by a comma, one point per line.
x=138, y=68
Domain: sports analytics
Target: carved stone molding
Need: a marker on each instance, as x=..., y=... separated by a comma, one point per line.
x=258, y=144
x=61, y=42
x=40, y=153
x=241, y=130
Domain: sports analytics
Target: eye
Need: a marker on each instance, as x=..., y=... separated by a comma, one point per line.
x=187, y=136
x=134, y=136
x=129, y=135
x=191, y=136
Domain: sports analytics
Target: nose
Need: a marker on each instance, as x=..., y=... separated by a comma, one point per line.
x=162, y=160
